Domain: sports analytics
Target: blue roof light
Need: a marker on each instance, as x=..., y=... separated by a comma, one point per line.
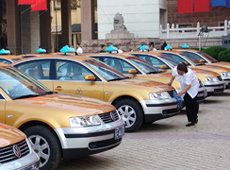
x=4, y=52
x=67, y=49
x=40, y=50
x=168, y=47
x=185, y=46
x=111, y=48
x=144, y=48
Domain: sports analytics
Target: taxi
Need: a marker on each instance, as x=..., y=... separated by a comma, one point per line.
x=15, y=150
x=138, y=101
x=193, y=63
x=57, y=125
x=211, y=80
x=204, y=58
x=134, y=67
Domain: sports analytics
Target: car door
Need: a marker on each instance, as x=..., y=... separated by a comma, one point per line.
x=70, y=78
x=38, y=69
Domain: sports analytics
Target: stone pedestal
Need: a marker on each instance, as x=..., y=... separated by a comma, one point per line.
x=119, y=35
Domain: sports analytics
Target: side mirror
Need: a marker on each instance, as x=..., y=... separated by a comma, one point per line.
x=164, y=67
x=185, y=63
x=202, y=61
x=132, y=71
x=90, y=77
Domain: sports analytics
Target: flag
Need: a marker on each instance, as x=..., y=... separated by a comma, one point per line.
x=40, y=5
x=201, y=6
x=185, y=6
x=219, y=3
x=26, y=2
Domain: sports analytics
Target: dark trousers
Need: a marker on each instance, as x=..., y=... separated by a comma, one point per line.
x=192, y=107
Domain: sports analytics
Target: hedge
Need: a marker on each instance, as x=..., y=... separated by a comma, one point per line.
x=224, y=56
x=214, y=51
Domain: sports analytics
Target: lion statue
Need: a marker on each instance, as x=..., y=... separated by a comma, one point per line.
x=118, y=23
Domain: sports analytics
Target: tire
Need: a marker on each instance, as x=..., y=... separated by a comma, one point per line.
x=51, y=154
x=132, y=114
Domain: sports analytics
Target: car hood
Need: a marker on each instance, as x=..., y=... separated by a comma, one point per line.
x=205, y=73
x=217, y=69
x=154, y=86
x=10, y=135
x=79, y=105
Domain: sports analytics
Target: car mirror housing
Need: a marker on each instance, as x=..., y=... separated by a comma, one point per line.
x=132, y=71
x=202, y=61
x=90, y=77
x=164, y=67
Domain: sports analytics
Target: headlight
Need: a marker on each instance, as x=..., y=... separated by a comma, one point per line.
x=159, y=95
x=84, y=121
x=225, y=74
x=211, y=79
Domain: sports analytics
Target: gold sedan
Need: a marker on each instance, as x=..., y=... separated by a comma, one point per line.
x=136, y=100
x=57, y=125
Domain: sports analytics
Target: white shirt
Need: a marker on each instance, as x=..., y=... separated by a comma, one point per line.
x=79, y=50
x=188, y=78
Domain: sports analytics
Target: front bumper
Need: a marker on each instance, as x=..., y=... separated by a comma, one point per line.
x=202, y=93
x=159, y=109
x=80, y=142
x=29, y=161
x=226, y=80
x=215, y=87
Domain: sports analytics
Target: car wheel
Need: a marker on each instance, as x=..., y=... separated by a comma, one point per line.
x=46, y=145
x=131, y=113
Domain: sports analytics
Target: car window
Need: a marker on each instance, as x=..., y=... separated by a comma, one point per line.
x=177, y=58
x=1, y=97
x=195, y=56
x=5, y=61
x=118, y=64
x=213, y=60
x=153, y=61
x=39, y=69
x=68, y=70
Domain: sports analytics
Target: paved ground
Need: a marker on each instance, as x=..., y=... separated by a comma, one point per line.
x=169, y=145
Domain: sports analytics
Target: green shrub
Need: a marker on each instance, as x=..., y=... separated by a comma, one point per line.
x=224, y=56
x=214, y=51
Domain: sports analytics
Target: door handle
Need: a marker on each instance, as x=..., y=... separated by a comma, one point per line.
x=58, y=88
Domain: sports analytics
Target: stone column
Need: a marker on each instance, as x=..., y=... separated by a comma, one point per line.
x=66, y=22
x=87, y=20
x=13, y=26
x=45, y=29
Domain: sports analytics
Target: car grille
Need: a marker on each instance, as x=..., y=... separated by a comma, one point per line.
x=109, y=117
x=171, y=93
x=9, y=153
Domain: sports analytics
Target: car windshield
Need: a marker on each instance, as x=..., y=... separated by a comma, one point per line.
x=18, y=85
x=192, y=60
x=213, y=60
x=107, y=72
x=147, y=68
x=170, y=61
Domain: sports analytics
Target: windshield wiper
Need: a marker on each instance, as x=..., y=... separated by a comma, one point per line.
x=153, y=72
x=26, y=96
x=116, y=79
x=49, y=92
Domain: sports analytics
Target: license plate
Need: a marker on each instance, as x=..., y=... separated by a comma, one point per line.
x=33, y=167
x=119, y=132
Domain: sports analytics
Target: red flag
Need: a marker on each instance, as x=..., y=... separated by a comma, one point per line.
x=201, y=6
x=26, y=2
x=40, y=5
x=185, y=6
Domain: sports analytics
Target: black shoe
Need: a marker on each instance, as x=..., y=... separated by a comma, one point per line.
x=196, y=120
x=189, y=124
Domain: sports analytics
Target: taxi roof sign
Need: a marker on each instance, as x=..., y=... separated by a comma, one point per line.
x=144, y=48
x=67, y=49
x=185, y=46
x=40, y=50
x=4, y=52
x=168, y=47
x=111, y=48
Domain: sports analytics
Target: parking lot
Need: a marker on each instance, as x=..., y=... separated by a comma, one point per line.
x=168, y=144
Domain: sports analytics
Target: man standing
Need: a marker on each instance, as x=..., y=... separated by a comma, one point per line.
x=79, y=50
